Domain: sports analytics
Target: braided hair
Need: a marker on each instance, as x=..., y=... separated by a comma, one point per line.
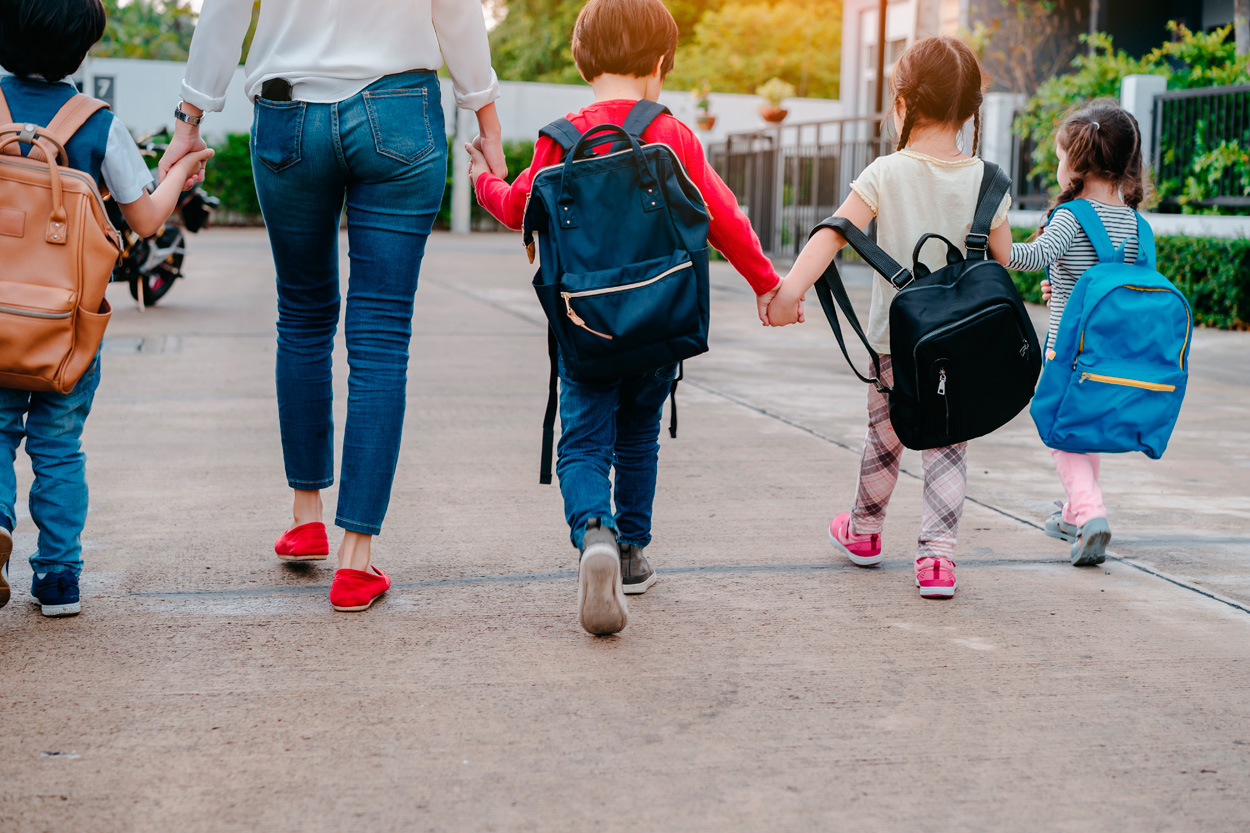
x=1104, y=141
x=939, y=81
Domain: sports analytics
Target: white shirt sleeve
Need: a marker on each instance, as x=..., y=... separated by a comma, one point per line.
x=216, y=48
x=461, y=31
x=124, y=171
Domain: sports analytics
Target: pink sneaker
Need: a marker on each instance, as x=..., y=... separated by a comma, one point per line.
x=863, y=550
x=935, y=577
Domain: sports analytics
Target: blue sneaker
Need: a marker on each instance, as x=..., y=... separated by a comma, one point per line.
x=56, y=593
x=6, y=549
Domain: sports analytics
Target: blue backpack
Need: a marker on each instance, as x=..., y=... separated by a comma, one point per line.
x=1116, y=374
x=623, y=267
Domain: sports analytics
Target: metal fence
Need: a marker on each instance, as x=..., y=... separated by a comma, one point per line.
x=1192, y=124
x=790, y=177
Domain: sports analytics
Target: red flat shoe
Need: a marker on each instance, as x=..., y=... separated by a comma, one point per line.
x=307, y=542
x=355, y=590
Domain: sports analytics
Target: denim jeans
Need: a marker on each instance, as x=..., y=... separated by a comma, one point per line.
x=51, y=424
x=383, y=153
x=614, y=425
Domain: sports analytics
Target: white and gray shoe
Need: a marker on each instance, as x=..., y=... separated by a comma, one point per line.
x=1057, y=527
x=1090, y=547
x=601, y=605
x=636, y=573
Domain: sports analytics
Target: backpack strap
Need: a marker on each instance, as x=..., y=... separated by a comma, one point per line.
x=563, y=133
x=831, y=290
x=553, y=401
x=994, y=185
x=6, y=117
x=1092, y=225
x=641, y=115
x=64, y=124
x=1145, y=243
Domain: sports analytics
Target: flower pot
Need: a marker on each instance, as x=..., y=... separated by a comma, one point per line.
x=706, y=122
x=774, y=115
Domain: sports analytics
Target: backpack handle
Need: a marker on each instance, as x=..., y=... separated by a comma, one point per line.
x=58, y=231
x=953, y=255
x=652, y=199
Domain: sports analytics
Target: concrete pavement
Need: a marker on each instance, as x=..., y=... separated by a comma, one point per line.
x=763, y=684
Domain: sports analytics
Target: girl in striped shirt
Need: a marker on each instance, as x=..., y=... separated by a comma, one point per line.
x=1099, y=149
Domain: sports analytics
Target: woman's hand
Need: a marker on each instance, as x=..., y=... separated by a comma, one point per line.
x=186, y=140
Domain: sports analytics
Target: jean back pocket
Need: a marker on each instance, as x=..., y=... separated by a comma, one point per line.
x=278, y=132
x=400, y=123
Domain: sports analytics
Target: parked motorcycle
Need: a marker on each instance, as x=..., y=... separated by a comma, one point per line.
x=151, y=265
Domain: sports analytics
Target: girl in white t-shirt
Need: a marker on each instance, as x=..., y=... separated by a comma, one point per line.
x=928, y=185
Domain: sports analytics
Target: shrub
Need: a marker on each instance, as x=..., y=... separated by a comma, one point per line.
x=1214, y=274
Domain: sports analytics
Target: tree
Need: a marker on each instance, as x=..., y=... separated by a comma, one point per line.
x=1028, y=42
x=738, y=47
x=155, y=29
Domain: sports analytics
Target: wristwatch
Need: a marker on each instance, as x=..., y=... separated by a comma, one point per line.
x=194, y=121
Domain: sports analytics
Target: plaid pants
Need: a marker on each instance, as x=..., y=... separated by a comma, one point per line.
x=945, y=479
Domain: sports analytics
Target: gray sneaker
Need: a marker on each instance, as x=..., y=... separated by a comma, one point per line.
x=1091, y=546
x=600, y=596
x=636, y=574
x=1057, y=527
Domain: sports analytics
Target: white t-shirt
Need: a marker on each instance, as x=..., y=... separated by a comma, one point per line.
x=332, y=49
x=913, y=194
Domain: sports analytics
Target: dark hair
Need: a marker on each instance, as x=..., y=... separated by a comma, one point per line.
x=624, y=37
x=1103, y=140
x=48, y=38
x=939, y=80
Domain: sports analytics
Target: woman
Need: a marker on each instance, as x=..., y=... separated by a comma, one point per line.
x=347, y=112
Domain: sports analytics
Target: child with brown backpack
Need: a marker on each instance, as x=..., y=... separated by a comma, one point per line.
x=58, y=150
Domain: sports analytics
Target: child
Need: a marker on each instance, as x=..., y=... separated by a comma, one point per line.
x=928, y=185
x=41, y=43
x=624, y=49
x=1099, y=149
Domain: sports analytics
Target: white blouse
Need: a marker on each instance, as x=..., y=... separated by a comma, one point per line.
x=332, y=49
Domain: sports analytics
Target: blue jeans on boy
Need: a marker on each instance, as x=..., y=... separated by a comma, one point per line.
x=51, y=424
x=611, y=425
x=383, y=153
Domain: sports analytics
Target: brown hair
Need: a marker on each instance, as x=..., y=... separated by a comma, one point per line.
x=939, y=80
x=624, y=37
x=1103, y=140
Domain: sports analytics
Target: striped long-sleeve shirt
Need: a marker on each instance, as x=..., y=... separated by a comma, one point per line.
x=1064, y=248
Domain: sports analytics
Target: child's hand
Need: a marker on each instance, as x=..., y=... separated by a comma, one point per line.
x=185, y=170
x=785, y=309
x=477, y=160
x=1046, y=291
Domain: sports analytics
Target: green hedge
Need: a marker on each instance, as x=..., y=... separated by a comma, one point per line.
x=1214, y=274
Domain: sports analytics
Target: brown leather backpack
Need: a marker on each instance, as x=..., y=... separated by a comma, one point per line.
x=57, y=251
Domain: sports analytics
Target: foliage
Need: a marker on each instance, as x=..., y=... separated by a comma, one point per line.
x=1208, y=172
x=229, y=177
x=1028, y=42
x=740, y=46
x=155, y=29
x=774, y=90
x=701, y=93
x=1192, y=60
x=1213, y=273
x=531, y=43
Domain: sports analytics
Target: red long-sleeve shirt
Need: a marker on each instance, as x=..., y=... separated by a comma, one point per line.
x=729, y=231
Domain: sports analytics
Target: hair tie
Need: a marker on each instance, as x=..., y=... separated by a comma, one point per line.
x=1095, y=125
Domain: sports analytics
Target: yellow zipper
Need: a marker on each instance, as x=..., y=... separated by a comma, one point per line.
x=1131, y=383
x=607, y=290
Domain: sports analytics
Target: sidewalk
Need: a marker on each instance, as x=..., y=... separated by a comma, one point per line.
x=763, y=684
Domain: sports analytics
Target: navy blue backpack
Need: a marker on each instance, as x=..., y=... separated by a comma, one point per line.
x=623, y=262
x=1116, y=374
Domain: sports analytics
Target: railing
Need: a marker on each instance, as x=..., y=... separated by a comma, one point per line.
x=1028, y=193
x=1189, y=125
x=789, y=178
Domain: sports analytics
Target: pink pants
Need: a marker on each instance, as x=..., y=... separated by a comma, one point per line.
x=1079, y=475
x=945, y=480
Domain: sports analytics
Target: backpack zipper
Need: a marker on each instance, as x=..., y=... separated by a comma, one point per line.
x=25, y=313
x=945, y=400
x=1130, y=383
x=1189, y=324
x=608, y=290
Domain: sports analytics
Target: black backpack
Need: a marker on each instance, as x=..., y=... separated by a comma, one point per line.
x=965, y=354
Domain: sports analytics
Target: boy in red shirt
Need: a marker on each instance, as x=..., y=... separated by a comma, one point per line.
x=624, y=49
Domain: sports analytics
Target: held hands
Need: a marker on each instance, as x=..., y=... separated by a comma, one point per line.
x=785, y=307
x=186, y=140
x=1046, y=291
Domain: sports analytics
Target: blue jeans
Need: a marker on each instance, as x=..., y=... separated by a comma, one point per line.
x=614, y=425
x=383, y=153
x=51, y=424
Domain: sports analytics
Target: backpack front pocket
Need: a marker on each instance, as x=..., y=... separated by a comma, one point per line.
x=35, y=332
x=615, y=310
x=1118, y=405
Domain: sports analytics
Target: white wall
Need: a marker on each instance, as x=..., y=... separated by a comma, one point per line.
x=144, y=94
